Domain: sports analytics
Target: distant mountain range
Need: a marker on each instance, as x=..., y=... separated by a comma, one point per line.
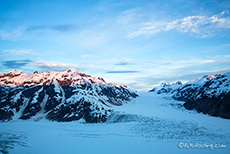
x=60, y=96
x=208, y=94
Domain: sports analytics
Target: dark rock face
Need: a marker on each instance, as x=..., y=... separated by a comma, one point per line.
x=215, y=106
x=91, y=102
x=60, y=96
x=209, y=95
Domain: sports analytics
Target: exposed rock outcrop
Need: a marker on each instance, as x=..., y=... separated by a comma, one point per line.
x=208, y=94
x=65, y=96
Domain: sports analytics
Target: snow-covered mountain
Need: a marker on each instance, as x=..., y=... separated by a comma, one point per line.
x=208, y=94
x=65, y=78
x=166, y=87
x=60, y=96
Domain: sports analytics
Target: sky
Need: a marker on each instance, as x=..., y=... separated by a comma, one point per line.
x=139, y=43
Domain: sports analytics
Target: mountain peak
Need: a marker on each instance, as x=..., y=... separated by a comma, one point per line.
x=65, y=78
x=15, y=72
x=178, y=83
x=71, y=70
x=164, y=84
x=203, y=79
x=61, y=96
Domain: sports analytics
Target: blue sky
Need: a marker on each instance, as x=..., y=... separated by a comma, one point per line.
x=137, y=43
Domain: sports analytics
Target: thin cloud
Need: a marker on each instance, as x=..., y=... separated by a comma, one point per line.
x=57, y=66
x=168, y=62
x=20, y=52
x=207, y=61
x=122, y=71
x=84, y=56
x=59, y=28
x=13, y=35
x=27, y=32
x=201, y=26
x=51, y=66
x=195, y=64
x=16, y=64
x=184, y=70
x=148, y=82
x=45, y=64
x=125, y=61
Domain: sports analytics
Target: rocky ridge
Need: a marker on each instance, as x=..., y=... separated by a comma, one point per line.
x=208, y=94
x=60, y=96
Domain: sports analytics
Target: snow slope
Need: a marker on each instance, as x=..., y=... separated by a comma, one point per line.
x=208, y=94
x=166, y=87
x=65, y=78
x=151, y=124
x=60, y=96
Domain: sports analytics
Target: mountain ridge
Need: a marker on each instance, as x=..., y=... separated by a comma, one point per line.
x=207, y=94
x=60, y=96
x=64, y=78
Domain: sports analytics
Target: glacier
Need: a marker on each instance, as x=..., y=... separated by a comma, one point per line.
x=149, y=124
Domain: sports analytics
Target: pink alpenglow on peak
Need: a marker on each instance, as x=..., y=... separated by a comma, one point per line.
x=65, y=78
x=59, y=96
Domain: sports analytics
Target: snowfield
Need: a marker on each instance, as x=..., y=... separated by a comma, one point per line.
x=150, y=124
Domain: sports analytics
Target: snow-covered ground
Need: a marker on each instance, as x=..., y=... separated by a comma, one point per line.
x=151, y=124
